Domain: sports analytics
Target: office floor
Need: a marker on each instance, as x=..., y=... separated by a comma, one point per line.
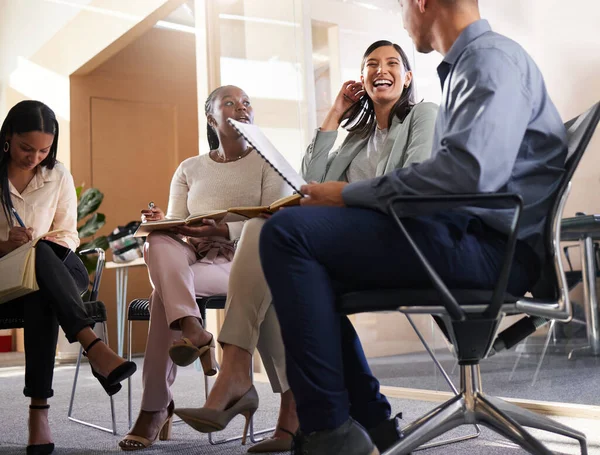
x=560, y=379
x=92, y=404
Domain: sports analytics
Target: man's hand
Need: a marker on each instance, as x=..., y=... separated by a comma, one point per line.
x=328, y=194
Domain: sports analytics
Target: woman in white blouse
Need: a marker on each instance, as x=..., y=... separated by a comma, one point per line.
x=42, y=193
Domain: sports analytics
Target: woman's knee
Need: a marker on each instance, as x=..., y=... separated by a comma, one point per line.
x=156, y=240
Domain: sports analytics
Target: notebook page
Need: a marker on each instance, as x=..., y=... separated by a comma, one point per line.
x=264, y=148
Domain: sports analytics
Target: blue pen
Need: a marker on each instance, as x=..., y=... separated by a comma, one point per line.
x=19, y=220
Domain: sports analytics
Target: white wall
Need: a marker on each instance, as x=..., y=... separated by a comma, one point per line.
x=25, y=26
x=564, y=40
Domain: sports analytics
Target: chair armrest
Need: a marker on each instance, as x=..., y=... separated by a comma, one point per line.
x=98, y=272
x=446, y=202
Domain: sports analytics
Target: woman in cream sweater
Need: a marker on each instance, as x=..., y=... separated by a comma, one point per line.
x=196, y=260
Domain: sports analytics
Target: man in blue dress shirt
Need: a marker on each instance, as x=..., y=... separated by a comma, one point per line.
x=497, y=131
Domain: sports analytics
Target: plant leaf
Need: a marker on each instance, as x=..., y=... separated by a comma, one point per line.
x=89, y=202
x=78, y=191
x=92, y=225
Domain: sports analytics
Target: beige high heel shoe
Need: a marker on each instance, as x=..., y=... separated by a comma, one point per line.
x=134, y=442
x=186, y=353
x=209, y=420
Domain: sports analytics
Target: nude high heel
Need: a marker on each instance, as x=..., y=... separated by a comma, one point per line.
x=186, y=353
x=209, y=420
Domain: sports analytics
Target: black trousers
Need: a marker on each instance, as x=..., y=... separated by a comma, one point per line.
x=58, y=302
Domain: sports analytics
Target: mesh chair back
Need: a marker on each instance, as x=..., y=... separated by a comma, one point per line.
x=579, y=133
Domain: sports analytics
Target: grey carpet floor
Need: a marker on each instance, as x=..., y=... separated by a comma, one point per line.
x=560, y=379
x=92, y=404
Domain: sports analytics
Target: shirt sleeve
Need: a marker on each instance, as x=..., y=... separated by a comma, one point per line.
x=178, y=194
x=65, y=217
x=487, y=114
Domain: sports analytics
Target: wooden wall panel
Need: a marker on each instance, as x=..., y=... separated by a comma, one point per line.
x=133, y=120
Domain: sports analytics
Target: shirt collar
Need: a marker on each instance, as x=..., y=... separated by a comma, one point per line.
x=468, y=35
x=43, y=175
x=46, y=175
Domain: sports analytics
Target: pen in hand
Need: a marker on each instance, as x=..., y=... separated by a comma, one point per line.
x=19, y=220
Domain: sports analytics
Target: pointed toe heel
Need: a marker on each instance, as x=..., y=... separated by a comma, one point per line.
x=210, y=420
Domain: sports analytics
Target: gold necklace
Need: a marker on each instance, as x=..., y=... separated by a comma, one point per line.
x=244, y=153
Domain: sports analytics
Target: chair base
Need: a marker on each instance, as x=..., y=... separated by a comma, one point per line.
x=471, y=406
x=72, y=401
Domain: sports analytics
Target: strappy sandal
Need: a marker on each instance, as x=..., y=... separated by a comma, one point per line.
x=111, y=383
x=184, y=354
x=40, y=449
x=133, y=442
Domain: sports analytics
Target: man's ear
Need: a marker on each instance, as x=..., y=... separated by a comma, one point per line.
x=422, y=5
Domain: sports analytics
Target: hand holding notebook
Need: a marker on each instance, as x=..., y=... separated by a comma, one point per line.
x=17, y=269
x=166, y=224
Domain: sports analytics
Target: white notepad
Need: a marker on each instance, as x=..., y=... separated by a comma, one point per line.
x=269, y=153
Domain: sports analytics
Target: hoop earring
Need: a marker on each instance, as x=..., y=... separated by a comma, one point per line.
x=6, y=147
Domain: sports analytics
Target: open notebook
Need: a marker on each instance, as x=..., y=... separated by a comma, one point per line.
x=17, y=270
x=252, y=212
x=271, y=155
x=149, y=226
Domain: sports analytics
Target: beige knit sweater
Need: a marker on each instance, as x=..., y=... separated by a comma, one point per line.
x=201, y=184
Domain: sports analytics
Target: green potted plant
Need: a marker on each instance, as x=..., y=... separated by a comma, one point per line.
x=88, y=202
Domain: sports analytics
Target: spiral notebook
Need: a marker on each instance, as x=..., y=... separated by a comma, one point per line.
x=269, y=153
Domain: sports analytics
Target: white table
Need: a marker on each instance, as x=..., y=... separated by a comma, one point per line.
x=122, y=270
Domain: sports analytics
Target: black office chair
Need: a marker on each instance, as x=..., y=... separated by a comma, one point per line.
x=471, y=317
x=139, y=310
x=95, y=310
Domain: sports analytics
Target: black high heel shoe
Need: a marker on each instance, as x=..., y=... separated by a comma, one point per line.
x=111, y=383
x=40, y=449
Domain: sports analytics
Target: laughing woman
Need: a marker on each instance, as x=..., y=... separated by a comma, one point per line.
x=387, y=129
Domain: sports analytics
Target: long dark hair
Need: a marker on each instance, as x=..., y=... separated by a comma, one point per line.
x=211, y=134
x=25, y=117
x=361, y=115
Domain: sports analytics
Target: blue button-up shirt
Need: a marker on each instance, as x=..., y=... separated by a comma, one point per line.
x=497, y=131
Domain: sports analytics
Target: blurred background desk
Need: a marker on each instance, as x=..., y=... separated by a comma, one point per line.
x=122, y=271
x=585, y=229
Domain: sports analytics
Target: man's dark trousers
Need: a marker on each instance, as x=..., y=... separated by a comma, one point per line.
x=311, y=255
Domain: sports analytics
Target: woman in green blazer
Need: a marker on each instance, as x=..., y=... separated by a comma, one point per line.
x=387, y=129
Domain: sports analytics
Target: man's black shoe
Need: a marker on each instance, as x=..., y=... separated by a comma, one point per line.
x=387, y=433
x=348, y=439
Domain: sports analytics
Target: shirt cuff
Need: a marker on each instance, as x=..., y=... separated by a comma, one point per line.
x=360, y=194
x=235, y=229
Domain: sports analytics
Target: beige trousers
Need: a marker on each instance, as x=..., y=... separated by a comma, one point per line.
x=250, y=320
